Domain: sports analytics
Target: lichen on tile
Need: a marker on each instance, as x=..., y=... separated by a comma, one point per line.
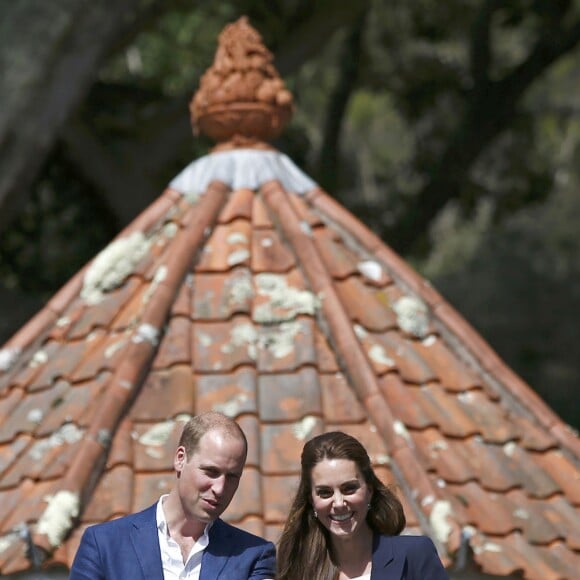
x=412, y=316
x=303, y=429
x=439, y=520
x=56, y=521
x=8, y=357
x=285, y=302
x=113, y=265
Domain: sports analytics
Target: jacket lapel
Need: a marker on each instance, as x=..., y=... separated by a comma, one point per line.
x=217, y=552
x=386, y=564
x=145, y=540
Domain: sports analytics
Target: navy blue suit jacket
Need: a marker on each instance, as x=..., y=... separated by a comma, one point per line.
x=406, y=558
x=128, y=549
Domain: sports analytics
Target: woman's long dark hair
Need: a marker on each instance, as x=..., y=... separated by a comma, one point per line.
x=304, y=548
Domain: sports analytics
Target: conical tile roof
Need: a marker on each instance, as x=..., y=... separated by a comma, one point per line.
x=247, y=289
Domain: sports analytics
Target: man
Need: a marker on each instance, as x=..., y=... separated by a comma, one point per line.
x=182, y=535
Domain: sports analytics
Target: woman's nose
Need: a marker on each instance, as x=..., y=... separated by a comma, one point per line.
x=338, y=499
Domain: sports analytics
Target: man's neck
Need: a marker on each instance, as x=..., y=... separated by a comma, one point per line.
x=179, y=526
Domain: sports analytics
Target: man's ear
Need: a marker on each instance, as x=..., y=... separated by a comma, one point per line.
x=180, y=459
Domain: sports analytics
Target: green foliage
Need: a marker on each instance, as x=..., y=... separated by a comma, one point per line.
x=36, y=253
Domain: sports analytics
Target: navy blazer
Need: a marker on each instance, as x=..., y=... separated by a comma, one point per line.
x=406, y=558
x=128, y=549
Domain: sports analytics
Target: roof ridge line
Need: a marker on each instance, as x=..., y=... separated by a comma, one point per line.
x=480, y=352
x=125, y=382
x=354, y=362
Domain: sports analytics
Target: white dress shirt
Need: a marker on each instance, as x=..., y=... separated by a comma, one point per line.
x=171, y=557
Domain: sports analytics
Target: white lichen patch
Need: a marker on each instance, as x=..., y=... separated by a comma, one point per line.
x=238, y=257
x=170, y=230
x=113, y=265
x=382, y=459
x=303, y=429
x=240, y=290
x=371, y=270
x=62, y=321
x=439, y=520
x=8, y=358
x=237, y=238
x=468, y=531
x=429, y=340
x=155, y=453
x=242, y=336
x=360, y=332
x=35, y=415
x=427, y=500
x=439, y=445
x=67, y=434
x=266, y=242
x=279, y=340
x=204, y=339
x=400, y=429
x=306, y=229
x=56, y=521
x=284, y=302
x=146, y=333
x=510, y=448
x=114, y=348
x=412, y=316
x=522, y=514
x=94, y=335
x=192, y=197
x=233, y=406
x=487, y=547
x=7, y=540
x=160, y=276
x=377, y=354
x=158, y=435
x=466, y=397
x=40, y=358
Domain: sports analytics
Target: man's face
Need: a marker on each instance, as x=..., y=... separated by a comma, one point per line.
x=208, y=479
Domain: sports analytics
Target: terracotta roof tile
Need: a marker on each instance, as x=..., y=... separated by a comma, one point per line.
x=269, y=253
x=299, y=397
x=239, y=205
x=112, y=496
x=339, y=402
x=249, y=499
x=260, y=217
x=233, y=394
x=341, y=261
x=253, y=293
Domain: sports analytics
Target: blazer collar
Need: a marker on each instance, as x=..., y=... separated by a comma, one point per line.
x=217, y=552
x=145, y=540
x=386, y=564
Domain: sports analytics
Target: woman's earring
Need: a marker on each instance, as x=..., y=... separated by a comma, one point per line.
x=315, y=514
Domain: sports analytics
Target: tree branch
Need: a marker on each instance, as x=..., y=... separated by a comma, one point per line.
x=488, y=113
x=480, y=49
x=308, y=39
x=338, y=102
x=46, y=74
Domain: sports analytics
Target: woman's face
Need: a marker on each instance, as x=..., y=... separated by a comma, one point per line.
x=340, y=497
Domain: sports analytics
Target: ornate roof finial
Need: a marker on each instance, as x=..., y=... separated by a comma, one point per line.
x=241, y=101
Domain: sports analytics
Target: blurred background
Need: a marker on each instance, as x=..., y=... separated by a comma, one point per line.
x=452, y=129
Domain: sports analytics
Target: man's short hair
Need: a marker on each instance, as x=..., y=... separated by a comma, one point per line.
x=199, y=425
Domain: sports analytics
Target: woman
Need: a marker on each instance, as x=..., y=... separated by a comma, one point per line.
x=344, y=522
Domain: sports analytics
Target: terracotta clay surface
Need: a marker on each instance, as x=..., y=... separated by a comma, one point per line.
x=281, y=309
x=241, y=101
